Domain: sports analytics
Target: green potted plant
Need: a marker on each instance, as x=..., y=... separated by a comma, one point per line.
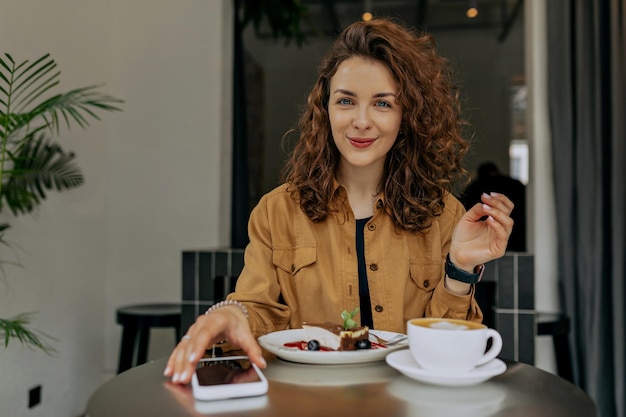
x=32, y=163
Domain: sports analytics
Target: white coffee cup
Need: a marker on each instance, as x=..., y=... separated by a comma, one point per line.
x=451, y=346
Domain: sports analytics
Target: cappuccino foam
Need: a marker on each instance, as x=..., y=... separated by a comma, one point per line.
x=446, y=325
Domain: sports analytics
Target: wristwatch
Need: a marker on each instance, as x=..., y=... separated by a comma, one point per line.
x=458, y=274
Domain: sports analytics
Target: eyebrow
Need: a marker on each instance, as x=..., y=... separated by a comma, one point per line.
x=351, y=94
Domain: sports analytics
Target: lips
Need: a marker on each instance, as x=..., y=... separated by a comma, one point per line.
x=361, y=142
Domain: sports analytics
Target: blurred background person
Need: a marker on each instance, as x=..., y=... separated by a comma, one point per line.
x=491, y=179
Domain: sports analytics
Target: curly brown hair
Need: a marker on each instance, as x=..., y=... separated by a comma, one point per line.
x=426, y=158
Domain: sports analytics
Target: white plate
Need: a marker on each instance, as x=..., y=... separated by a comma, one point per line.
x=274, y=343
x=403, y=361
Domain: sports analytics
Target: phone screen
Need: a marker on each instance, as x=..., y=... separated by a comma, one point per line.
x=226, y=371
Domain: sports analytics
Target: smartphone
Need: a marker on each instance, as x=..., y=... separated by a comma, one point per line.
x=227, y=377
x=231, y=405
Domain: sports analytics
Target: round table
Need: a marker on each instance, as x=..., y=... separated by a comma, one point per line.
x=362, y=390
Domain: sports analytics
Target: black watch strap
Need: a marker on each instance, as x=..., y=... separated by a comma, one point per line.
x=458, y=274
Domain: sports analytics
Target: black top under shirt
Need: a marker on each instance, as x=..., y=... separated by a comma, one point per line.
x=365, y=306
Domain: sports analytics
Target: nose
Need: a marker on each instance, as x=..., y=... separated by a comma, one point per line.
x=362, y=119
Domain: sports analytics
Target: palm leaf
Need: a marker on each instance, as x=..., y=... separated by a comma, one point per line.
x=39, y=165
x=3, y=228
x=16, y=328
x=31, y=81
x=31, y=164
x=74, y=105
x=22, y=84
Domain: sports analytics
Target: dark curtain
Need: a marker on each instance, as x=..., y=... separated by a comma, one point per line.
x=239, y=198
x=587, y=101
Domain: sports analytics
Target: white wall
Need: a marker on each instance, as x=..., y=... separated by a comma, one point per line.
x=157, y=181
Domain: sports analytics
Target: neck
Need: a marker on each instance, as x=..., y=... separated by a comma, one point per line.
x=362, y=185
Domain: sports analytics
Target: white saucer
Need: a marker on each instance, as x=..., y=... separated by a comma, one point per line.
x=403, y=361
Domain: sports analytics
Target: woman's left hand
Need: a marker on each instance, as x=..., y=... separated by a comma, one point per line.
x=477, y=240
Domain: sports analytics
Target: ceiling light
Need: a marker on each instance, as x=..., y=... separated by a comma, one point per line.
x=472, y=11
x=367, y=14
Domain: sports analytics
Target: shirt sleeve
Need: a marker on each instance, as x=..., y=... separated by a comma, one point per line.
x=257, y=286
x=444, y=303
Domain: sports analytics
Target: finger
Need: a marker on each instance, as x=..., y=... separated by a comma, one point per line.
x=169, y=366
x=499, y=201
x=501, y=227
x=252, y=349
x=226, y=323
x=500, y=237
x=499, y=216
x=175, y=358
x=190, y=349
x=179, y=369
x=476, y=213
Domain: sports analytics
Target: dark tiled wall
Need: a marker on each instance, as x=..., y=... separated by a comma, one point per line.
x=209, y=275
x=515, y=304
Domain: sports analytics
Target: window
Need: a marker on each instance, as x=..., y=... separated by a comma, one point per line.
x=519, y=165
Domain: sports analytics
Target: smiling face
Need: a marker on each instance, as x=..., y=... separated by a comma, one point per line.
x=364, y=116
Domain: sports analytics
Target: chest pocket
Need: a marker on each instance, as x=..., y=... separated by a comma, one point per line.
x=426, y=274
x=293, y=259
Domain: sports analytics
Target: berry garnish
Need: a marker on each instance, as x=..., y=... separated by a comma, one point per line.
x=363, y=344
x=313, y=345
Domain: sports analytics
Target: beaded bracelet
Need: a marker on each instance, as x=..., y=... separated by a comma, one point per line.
x=224, y=303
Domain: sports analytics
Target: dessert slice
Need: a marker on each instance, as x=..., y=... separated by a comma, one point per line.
x=334, y=336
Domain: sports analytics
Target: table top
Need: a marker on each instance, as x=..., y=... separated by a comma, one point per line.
x=360, y=390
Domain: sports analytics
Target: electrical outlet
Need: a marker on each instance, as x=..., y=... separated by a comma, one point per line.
x=34, y=396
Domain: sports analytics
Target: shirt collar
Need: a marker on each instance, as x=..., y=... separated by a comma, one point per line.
x=340, y=202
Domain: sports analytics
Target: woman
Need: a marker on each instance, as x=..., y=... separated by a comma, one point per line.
x=366, y=216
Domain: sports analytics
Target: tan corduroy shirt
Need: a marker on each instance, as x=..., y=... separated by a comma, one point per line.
x=297, y=270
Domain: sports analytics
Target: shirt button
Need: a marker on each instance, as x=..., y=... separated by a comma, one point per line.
x=379, y=309
x=426, y=283
x=371, y=227
x=374, y=267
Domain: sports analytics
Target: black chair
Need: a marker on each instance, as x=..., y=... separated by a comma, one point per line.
x=485, y=296
x=136, y=321
x=557, y=325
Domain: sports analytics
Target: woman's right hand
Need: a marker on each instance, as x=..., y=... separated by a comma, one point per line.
x=225, y=323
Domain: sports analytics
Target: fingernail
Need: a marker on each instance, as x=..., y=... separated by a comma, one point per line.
x=167, y=371
x=192, y=357
x=492, y=194
x=183, y=376
x=176, y=377
x=486, y=195
x=263, y=362
x=486, y=207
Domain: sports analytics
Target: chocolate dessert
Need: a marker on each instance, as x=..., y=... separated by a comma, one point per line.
x=333, y=336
